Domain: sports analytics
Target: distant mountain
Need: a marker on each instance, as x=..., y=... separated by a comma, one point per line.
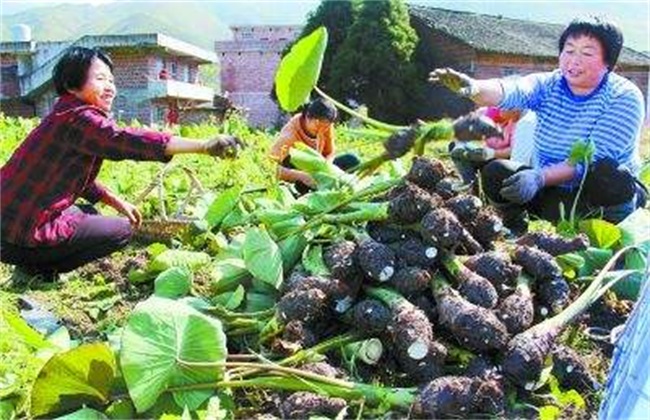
x=194, y=22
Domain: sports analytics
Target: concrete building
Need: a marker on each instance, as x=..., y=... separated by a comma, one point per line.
x=156, y=76
x=248, y=66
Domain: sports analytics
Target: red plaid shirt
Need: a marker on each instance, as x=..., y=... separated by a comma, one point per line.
x=58, y=163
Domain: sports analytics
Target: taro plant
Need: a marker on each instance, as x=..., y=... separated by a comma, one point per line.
x=582, y=152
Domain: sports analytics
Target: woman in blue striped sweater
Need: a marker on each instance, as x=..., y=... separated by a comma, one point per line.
x=583, y=100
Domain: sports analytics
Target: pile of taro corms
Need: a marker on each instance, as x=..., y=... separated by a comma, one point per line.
x=428, y=295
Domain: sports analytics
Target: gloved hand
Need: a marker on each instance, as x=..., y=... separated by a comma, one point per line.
x=223, y=146
x=455, y=81
x=475, y=127
x=521, y=187
x=472, y=153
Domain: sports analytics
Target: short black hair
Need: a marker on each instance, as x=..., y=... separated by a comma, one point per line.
x=71, y=71
x=607, y=33
x=320, y=109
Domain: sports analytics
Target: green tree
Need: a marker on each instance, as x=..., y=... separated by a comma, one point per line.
x=337, y=16
x=376, y=63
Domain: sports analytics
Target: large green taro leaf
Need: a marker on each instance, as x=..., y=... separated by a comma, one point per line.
x=159, y=336
x=69, y=380
x=299, y=70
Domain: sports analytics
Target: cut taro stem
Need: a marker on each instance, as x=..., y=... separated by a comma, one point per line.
x=526, y=352
x=409, y=329
x=368, y=351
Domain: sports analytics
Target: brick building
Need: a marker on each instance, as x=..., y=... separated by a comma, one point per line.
x=156, y=76
x=486, y=46
x=248, y=66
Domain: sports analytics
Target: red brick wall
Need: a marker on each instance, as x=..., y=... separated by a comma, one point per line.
x=9, y=76
x=248, y=71
x=133, y=69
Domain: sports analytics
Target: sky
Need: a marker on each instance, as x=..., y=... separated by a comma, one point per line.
x=633, y=16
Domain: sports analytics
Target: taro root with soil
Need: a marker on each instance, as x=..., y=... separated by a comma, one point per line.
x=409, y=330
x=459, y=396
x=441, y=228
x=550, y=285
x=340, y=259
x=473, y=287
x=426, y=173
x=414, y=252
x=554, y=244
x=301, y=405
x=309, y=306
x=410, y=205
x=410, y=281
x=526, y=352
x=448, y=187
x=486, y=228
x=387, y=233
x=571, y=370
x=466, y=207
x=517, y=311
x=495, y=267
x=376, y=260
x=370, y=317
x=474, y=327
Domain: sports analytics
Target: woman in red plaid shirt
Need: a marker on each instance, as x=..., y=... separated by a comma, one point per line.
x=43, y=232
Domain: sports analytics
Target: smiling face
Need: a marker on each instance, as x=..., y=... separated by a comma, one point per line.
x=99, y=87
x=582, y=63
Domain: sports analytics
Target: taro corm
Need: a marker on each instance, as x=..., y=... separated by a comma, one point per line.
x=340, y=259
x=409, y=330
x=465, y=206
x=301, y=405
x=554, y=244
x=496, y=267
x=414, y=252
x=426, y=173
x=516, y=311
x=571, y=370
x=487, y=227
x=376, y=260
x=459, y=396
x=370, y=317
x=473, y=287
x=474, y=327
x=410, y=281
x=526, y=352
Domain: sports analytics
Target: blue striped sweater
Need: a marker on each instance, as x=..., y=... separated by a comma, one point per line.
x=611, y=116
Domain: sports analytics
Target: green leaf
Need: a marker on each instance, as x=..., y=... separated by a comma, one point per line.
x=549, y=412
x=320, y=201
x=312, y=260
x=595, y=259
x=178, y=258
x=223, y=205
x=161, y=334
x=228, y=274
x=299, y=70
x=582, y=151
x=7, y=409
x=25, y=333
x=262, y=257
x=601, y=233
x=291, y=249
x=84, y=414
x=231, y=300
x=122, y=409
x=256, y=302
x=69, y=380
x=173, y=283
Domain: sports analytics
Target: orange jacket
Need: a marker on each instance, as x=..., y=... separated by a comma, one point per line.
x=293, y=132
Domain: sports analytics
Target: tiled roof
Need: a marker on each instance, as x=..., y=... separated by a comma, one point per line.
x=503, y=35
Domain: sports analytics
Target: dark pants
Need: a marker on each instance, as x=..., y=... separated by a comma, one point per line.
x=609, y=192
x=345, y=161
x=94, y=237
